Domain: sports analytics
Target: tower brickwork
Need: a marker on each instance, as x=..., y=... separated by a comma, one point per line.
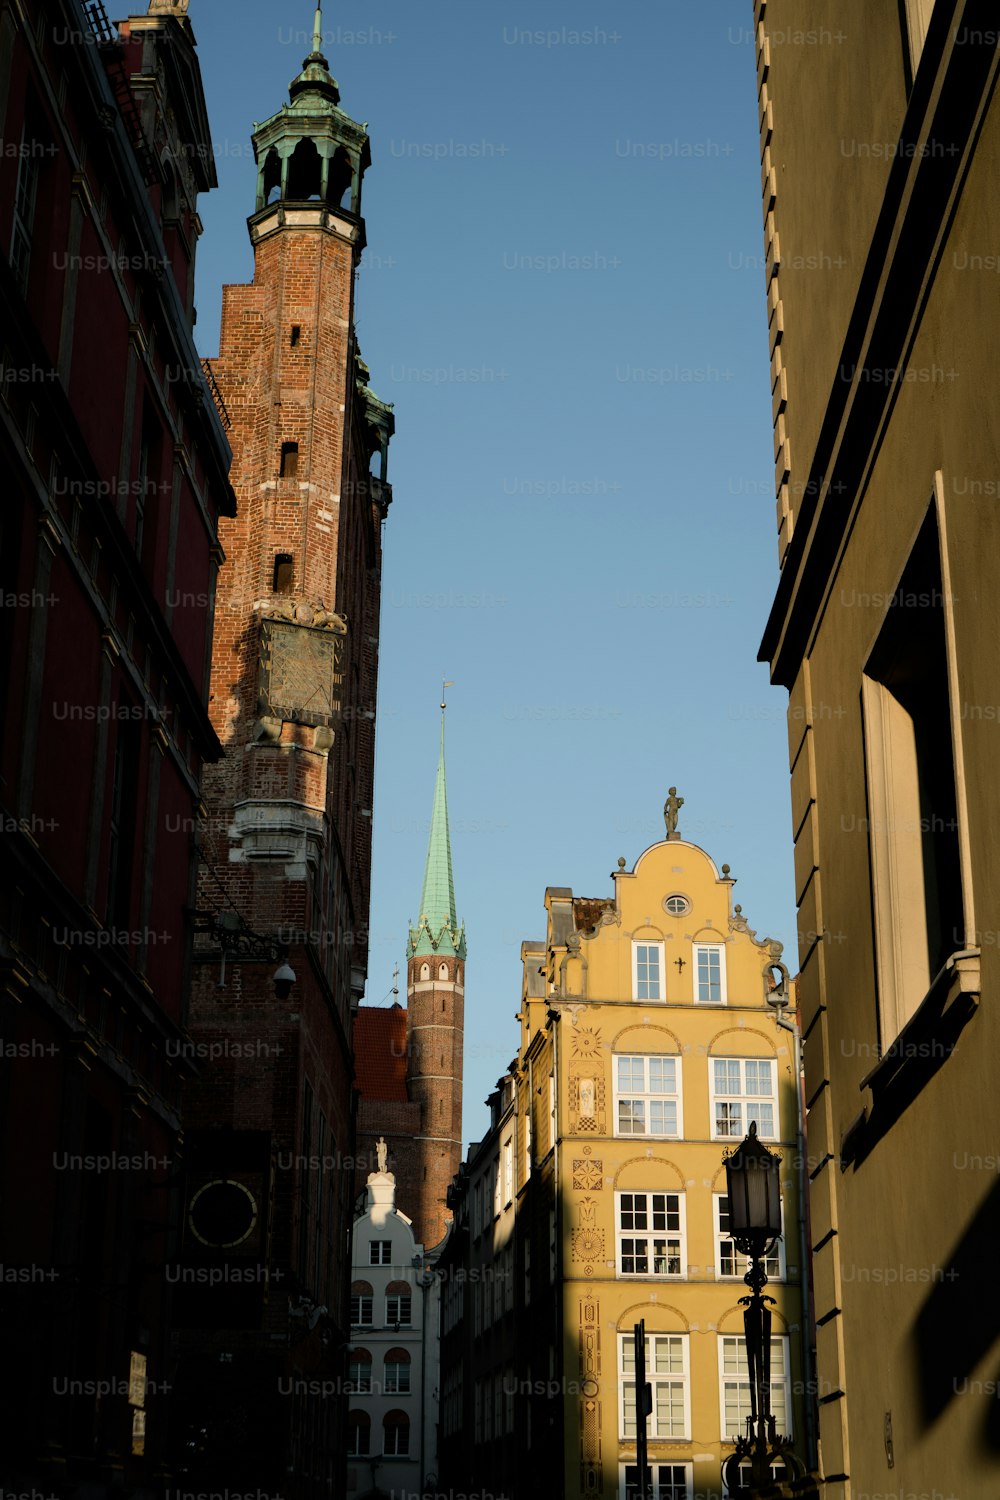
x=435, y=998
x=281, y=946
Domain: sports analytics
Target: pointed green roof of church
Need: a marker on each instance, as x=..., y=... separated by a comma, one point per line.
x=437, y=930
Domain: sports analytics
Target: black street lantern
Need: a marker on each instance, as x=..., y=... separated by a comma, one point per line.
x=754, y=1222
x=754, y=1195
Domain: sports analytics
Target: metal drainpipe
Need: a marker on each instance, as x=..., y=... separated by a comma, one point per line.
x=806, y=1263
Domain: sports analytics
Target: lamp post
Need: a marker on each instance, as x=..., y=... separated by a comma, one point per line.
x=754, y=1224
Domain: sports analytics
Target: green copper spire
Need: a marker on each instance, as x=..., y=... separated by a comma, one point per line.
x=438, y=931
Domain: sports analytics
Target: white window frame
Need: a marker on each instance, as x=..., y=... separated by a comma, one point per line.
x=355, y=1385
x=399, y=1389
x=744, y=1100
x=495, y=1170
x=400, y=1297
x=781, y=1384
x=508, y=1171
x=362, y=1298
x=353, y=1451
x=650, y=1234
x=397, y=1427
x=774, y=1265
x=657, y=946
x=696, y=950
x=527, y=1143
x=647, y=1096
x=379, y=1246
x=626, y=1345
x=655, y=1465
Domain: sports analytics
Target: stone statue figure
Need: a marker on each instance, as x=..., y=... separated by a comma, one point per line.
x=671, y=808
x=382, y=1152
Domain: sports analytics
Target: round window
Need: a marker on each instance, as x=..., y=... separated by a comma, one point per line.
x=677, y=906
x=223, y=1214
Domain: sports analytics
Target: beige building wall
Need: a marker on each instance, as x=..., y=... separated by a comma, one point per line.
x=883, y=155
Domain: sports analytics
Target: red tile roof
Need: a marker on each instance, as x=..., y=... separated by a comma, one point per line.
x=380, y=1052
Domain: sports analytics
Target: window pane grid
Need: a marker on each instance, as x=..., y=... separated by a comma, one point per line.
x=659, y=1250
x=648, y=1096
x=744, y=1092
x=647, y=971
x=667, y=1372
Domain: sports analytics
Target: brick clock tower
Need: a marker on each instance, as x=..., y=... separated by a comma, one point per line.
x=409, y=1062
x=280, y=949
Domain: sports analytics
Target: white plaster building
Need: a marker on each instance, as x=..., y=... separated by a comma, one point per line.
x=394, y=1358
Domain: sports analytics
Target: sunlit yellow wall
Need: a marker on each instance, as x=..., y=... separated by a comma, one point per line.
x=590, y=979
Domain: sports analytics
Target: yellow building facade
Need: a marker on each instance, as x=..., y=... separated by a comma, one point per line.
x=650, y=1041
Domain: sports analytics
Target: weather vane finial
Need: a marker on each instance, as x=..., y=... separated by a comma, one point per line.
x=443, y=686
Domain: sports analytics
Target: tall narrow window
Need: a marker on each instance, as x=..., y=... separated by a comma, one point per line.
x=912, y=803
x=289, y=460
x=122, y=822
x=709, y=974
x=647, y=971
x=734, y=1386
x=25, y=203
x=361, y=1304
x=147, y=487
x=395, y=1434
x=296, y=334
x=282, y=578
x=667, y=1371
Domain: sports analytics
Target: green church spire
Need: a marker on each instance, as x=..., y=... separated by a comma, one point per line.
x=437, y=931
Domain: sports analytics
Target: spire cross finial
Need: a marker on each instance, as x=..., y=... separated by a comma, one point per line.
x=443, y=703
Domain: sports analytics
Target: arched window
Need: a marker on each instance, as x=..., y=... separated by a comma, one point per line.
x=272, y=176
x=339, y=179
x=303, y=172
x=398, y=1303
x=359, y=1372
x=359, y=1434
x=443, y=971
x=361, y=1304
x=397, y=1373
x=396, y=1434
x=425, y=971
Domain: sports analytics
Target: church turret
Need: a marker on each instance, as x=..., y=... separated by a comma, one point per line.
x=435, y=990
x=311, y=151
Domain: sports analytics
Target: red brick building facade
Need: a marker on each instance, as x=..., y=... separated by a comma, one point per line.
x=115, y=466
x=264, y=1270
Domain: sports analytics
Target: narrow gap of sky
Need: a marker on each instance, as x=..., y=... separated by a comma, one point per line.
x=563, y=296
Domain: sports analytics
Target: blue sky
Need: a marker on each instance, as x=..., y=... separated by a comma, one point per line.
x=563, y=296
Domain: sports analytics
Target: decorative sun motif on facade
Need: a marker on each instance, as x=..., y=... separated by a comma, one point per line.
x=586, y=1042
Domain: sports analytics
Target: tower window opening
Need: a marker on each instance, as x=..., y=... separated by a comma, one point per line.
x=289, y=460
x=296, y=334
x=281, y=583
x=304, y=172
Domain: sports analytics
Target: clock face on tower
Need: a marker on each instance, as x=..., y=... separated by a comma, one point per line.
x=222, y=1214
